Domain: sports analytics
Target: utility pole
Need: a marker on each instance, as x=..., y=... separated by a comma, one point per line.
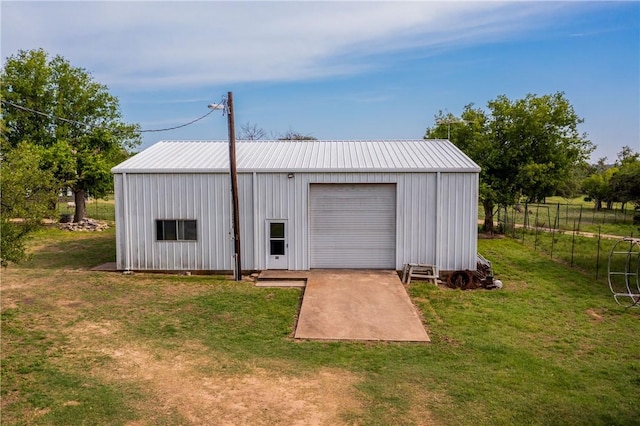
x=234, y=187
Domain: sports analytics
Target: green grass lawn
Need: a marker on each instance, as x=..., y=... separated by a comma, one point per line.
x=552, y=347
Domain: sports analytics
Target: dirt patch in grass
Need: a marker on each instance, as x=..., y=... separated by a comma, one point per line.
x=193, y=384
x=594, y=315
x=421, y=403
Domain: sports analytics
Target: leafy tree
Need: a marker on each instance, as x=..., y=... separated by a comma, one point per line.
x=627, y=157
x=611, y=183
x=28, y=195
x=61, y=108
x=525, y=147
x=624, y=184
x=571, y=187
x=600, y=166
x=597, y=187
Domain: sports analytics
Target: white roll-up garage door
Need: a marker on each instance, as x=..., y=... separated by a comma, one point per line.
x=353, y=226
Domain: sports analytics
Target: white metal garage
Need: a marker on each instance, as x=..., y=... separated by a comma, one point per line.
x=353, y=226
x=303, y=204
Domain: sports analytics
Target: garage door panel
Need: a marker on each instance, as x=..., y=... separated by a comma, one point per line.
x=353, y=226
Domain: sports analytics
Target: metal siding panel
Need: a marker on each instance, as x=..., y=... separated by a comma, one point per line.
x=137, y=220
x=247, y=211
x=146, y=250
x=121, y=239
x=210, y=211
x=200, y=193
x=445, y=222
x=471, y=197
x=220, y=205
x=217, y=223
x=261, y=211
x=473, y=217
x=193, y=196
x=448, y=224
x=416, y=218
x=459, y=229
x=300, y=225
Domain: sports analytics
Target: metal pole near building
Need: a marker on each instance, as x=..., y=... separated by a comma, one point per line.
x=227, y=106
x=234, y=186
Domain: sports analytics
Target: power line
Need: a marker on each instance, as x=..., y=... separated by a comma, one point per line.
x=66, y=120
x=177, y=127
x=44, y=114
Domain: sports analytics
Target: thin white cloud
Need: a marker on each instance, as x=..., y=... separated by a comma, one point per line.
x=169, y=100
x=155, y=45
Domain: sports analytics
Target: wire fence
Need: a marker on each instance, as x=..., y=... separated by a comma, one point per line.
x=569, y=216
x=101, y=209
x=573, y=234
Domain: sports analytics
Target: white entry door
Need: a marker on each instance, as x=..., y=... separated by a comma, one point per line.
x=277, y=244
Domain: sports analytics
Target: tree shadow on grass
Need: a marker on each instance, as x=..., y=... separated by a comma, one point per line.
x=57, y=249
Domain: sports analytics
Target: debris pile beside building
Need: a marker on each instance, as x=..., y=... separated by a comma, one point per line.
x=85, y=225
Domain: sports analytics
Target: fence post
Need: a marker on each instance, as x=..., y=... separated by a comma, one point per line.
x=506, y=220
x=557, y=221
x=573, y=241
x=535, y=226
x=553, y=239
x=548, y=216
x=598, y=256
x=579, y=220
x=527, y=219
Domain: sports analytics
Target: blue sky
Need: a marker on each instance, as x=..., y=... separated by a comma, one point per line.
x=344, y=70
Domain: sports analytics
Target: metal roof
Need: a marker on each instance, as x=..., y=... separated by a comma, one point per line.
x=430, y=155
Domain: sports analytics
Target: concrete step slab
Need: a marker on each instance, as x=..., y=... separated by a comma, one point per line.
x=358, y=305
x=281, y=283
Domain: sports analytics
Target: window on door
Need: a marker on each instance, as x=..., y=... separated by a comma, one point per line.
x=276, y=239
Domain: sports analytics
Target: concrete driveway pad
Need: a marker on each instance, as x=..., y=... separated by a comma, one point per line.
x=358, y=305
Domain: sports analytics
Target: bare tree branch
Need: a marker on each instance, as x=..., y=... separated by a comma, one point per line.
x=251, y=132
